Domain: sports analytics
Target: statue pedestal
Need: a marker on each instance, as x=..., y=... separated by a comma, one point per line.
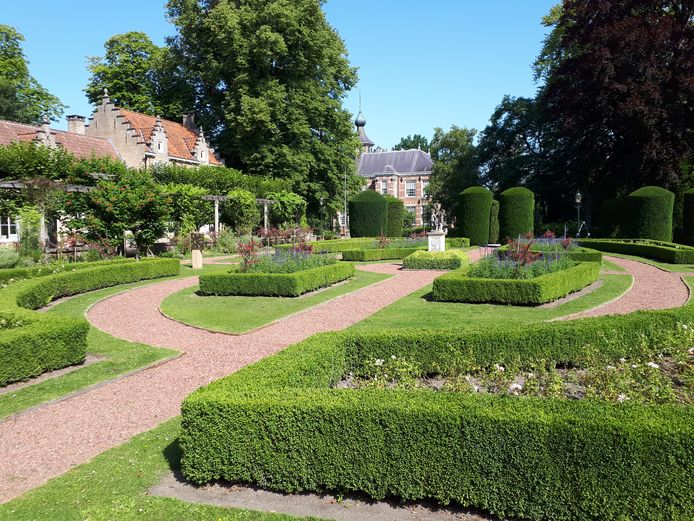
x=437, y=241
x=196, y=259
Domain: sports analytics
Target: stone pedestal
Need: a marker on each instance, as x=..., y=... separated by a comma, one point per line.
x=197, y=259
x=437, y=241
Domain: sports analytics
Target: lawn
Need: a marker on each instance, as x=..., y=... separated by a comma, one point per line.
x=675, y=268
x=115, y=485
x=121, y=356
x=238, y=314
x=417, y=310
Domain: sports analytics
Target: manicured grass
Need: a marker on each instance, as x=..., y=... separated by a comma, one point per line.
x=416, y=310
x=114, y=485
x=675, y=268
x=121, y=356
x=237, y=314
x=608, y=265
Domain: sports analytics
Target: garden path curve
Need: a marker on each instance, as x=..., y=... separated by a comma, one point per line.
x=47, y=441
x=652, y=288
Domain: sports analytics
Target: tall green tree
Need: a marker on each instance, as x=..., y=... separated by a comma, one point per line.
x=140, y=76
x=270, y=77
x=22, y=98
x=455, y=165
x=417, y=141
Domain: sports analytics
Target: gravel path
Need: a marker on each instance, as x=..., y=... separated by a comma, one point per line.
x=48, y=441
x=652, y=288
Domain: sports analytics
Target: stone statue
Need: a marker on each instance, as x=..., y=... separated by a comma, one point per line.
x=438, y=218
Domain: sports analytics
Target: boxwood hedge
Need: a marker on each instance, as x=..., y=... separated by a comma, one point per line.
x=396, y=216
x=15, y=274
x=474, y=209
x=378, y=254
x=436, y=260
x=659, y=250
x=516, y=212
x=363, y=243
x=578, y=254
x=368, y=214
x=282, y=424
x=494, y=222
x=688, y=217
x=458, y=287
x=650, y=213
x=38, y=343
x=274, y=284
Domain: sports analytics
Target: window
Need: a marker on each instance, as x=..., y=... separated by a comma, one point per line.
x=8, y=229
x=412, y=209
x=384, y=187
x=425, y=184
x=411, y=189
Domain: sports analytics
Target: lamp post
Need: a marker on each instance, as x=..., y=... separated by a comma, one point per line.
x=321, y=201
x=578, y=199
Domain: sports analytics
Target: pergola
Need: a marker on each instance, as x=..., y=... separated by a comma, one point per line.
x=221, y=198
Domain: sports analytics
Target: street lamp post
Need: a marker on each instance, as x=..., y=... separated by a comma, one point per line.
x=578, y=199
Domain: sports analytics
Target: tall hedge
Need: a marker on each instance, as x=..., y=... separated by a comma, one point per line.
x=474, y=206
x=368, y=214
x=688, y=218
x=396, y=216
x=494, y=222
x=650, y=213
x=516, y=212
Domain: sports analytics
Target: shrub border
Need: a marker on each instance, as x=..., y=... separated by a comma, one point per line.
x=659, y=250
x=436, y=260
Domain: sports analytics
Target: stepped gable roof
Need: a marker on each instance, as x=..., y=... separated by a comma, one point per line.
x=394, y=162
x=181, y=139
x=81, y=146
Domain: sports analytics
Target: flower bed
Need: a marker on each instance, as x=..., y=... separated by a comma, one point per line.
x=659, y=250
x=459, y=287
x=378, y=254
x=436, y=260
x=282, y=424
x=41, y=343
x=274, y=284
x=14, y=274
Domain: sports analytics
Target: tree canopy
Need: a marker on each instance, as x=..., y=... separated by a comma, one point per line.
x=22, y=98
x=416, y=141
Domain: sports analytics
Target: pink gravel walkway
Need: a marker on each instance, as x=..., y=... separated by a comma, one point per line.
x=652, y=288
x=48, y=441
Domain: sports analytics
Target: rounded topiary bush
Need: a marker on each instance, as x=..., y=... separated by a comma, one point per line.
x=650, y=213
x=688, y=217
x=516, y=212
x=368, y=214
x=396, y=216
x=474, y=206
x=494, y=222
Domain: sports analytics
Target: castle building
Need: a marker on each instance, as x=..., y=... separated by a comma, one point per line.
x=401, y=173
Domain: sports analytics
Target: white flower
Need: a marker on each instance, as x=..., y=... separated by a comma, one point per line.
x=690, y=350
x=622, y=360
x=611, y=367
x=634, y=366
x=653, y=365
x=622, y=398
x=499, y=367
x=379, y=361
x=392, y=357
x=684, y=326
x=515, y=388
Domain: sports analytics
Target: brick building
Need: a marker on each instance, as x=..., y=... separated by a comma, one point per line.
x=401, y=173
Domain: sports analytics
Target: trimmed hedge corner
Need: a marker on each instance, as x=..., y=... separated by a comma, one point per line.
x=281, y=424
x=516, y=212
x=37, y=343
x=474, y=209
x=274, y=284
x=436, y=260
x=650, y=213
x=659, y=250
x=457, y=287
x=368, y=214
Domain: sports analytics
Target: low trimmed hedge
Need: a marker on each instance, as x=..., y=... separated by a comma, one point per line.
x=274, y=284
x=579, y=254
x=16, y=274
x=664, y=251
x=41, y=343
x=282, y=425
x=378, y=254
x=436, y=260
x=458, y=287
x=340, y=245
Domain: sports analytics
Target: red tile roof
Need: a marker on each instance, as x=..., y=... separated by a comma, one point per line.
x=81, y=146
x=181, y=139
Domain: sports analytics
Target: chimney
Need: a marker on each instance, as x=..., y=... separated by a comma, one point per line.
x=189, y=120
x=75, y=124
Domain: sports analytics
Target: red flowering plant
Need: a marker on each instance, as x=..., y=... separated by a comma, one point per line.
x=520, y=251
x=303, y=247
x=249, y=251
x=383, y=241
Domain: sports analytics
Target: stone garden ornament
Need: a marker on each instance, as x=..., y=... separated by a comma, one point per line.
x=437, y=235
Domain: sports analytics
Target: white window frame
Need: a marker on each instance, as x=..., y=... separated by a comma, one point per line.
x=7, y=222
x=425, y=184
x=384, y=187
x=410, y=188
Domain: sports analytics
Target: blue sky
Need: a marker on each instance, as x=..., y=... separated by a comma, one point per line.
x=421, y=64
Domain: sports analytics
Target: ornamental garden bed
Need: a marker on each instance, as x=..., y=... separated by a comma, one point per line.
x=659, y=250
x=341, y=245
x=281, y=275
x=284, y=423
x=38, y=342
x=436, y=260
